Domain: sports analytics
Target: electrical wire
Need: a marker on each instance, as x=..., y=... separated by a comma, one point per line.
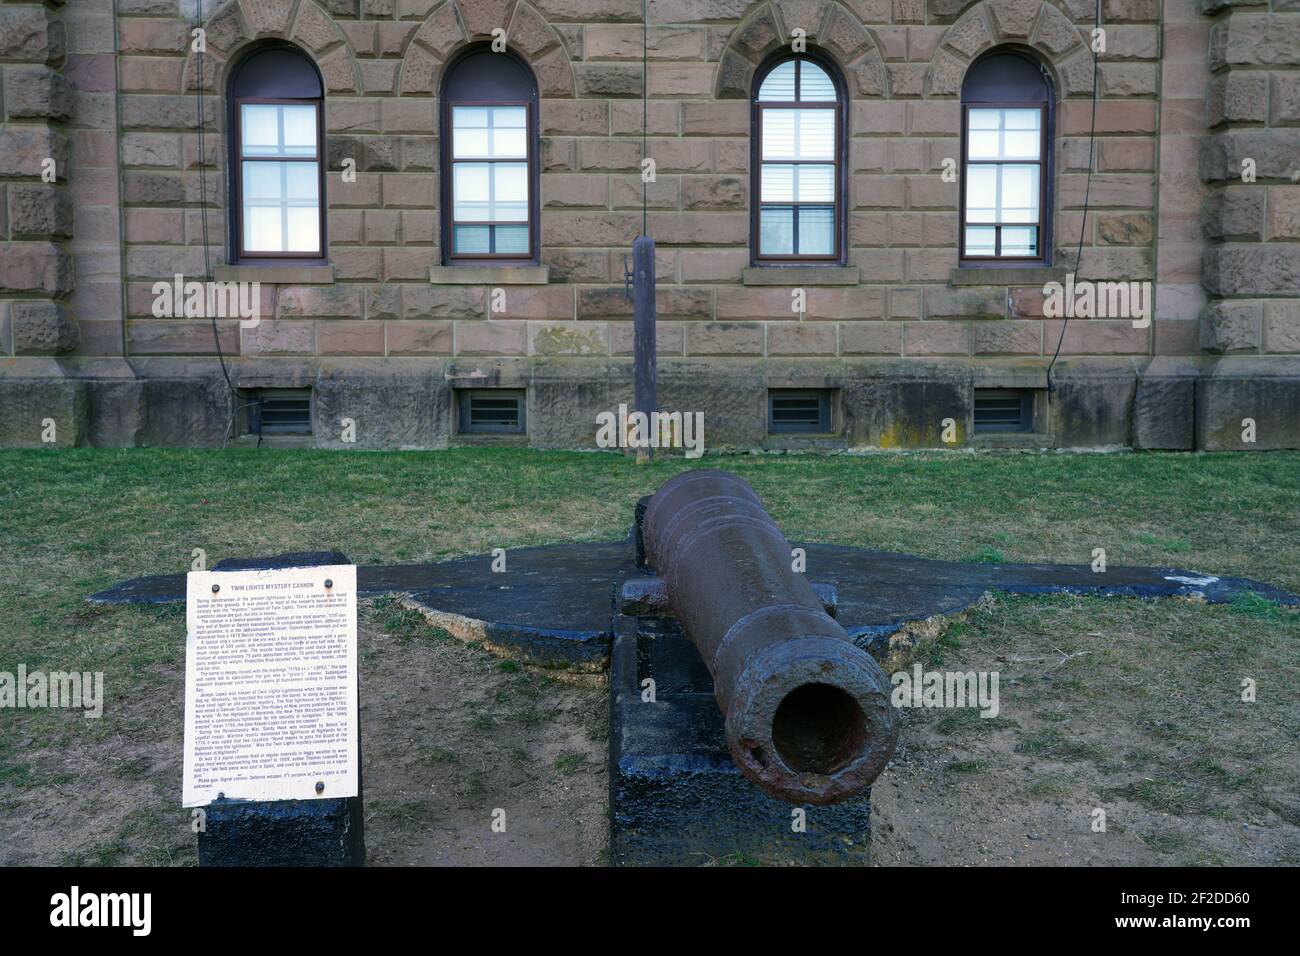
x=1087, y=189
x=199, y=81
x=645, y=113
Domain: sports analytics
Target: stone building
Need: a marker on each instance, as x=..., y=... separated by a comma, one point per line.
x=858, y=206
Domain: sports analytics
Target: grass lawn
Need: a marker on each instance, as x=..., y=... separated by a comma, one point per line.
x=1147, y=721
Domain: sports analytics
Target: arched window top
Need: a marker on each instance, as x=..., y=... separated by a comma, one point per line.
x=277, y=136
x=1006, y=77
x=281, y=72
x=489, y=148
x=482, y=76
x=797, y=79
x=797, y=209
x=1006, y=186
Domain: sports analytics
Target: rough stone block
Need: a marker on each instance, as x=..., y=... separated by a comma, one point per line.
x=42, y=328
x=1265, y=389
x=404, y=407
x=1164, y=405
x=29, y=404
x=1231, y=326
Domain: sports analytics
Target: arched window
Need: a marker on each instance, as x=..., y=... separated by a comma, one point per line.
x=276, y=173
x=1006, y=140
x=489, y=158
x=798, y=172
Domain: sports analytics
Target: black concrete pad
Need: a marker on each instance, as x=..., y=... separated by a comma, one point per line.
x=284, y=833
x=553, y=604
x=676, y=797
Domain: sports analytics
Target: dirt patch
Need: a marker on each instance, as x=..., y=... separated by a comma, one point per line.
x=451, y=733
x=1125, y=706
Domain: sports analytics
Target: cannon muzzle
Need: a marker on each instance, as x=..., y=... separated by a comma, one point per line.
x=808, y=717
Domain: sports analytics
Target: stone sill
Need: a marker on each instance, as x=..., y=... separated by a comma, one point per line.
x=276, y=441
x=489, y=275
x=826, y=441
x=800, y=275
x=280, y=274
x=1011, y=440
x=463, y=440
x=1011, y=275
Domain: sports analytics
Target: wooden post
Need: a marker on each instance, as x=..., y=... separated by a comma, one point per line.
x=643, y=291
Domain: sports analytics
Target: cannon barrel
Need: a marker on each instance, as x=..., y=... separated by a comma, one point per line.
x=808, y=716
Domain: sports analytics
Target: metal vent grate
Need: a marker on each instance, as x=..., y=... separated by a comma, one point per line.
x=280, y=411
x=492, y=411
x=792, y=412
x=1003, y=410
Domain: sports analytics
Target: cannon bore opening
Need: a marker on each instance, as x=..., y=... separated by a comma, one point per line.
x=818, y=728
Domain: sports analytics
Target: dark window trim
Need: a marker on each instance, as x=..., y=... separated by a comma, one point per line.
x=1046, y=170
x=840, y=158
x=824, y=411
x=532, y=144
x=466, y=396
x=235, y=168
x=1026, y=399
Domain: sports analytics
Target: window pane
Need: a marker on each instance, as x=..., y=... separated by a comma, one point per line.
x=272, y=130
x=1022, y=139
x=510, y=197
x=281, y=207
x=304, y=224
x=1019, y=194
x=301, y=180
x=776, y=231
x=1020, y=241
x=981, y=193
x=512, y=239
x=299, y=130
x=778, y=134
x=469, y=125
x=814, y=85
x=985, y=118
x=262, y=181
x=815, y=183
x=262, y=229
x=778, y=85
x=979, y=240
x=260, y=134
x=509, y=131
x=816, y=134
x=778, y=183
x=982, y=144
x=472, y=240
x=471, y=192
x=816, y=231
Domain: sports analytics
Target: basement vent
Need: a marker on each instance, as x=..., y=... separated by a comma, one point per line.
x=791, y=411
x=492, y=411
x=280, y=411
x=1004, y=410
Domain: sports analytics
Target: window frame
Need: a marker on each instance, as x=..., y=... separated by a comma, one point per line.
x=839, y=204
x=532, y=159
x=235, y=179
x=1046, y=105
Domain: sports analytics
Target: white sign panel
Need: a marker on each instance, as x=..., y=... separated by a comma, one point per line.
x=271, y=684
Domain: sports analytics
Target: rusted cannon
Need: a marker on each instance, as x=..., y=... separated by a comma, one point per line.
x=808, y=717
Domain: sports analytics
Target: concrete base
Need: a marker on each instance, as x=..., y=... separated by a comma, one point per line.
x=676, y=798
x=1099, y=402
